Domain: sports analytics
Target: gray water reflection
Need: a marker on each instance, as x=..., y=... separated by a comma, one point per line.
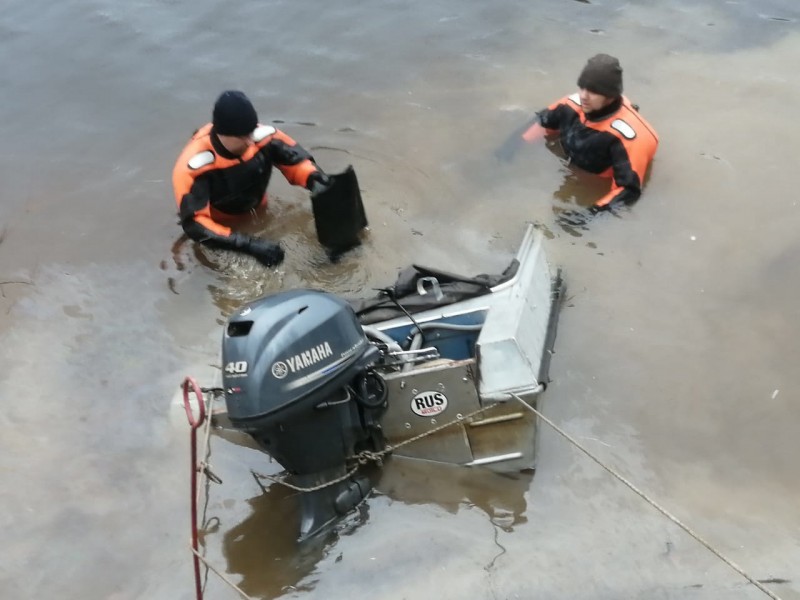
x=676, y=351
x=500, y=496
x=262, y=550
x=261, y=546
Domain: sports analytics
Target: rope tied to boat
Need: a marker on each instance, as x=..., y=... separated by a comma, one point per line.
x=283, y=481
x=366, y=456
x=649, y=500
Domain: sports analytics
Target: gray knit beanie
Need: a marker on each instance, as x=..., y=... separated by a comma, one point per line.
x=602, y=75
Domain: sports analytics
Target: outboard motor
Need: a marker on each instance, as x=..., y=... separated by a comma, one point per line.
x=297, y=378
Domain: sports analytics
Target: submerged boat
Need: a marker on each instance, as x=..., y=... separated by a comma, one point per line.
x=429, y=369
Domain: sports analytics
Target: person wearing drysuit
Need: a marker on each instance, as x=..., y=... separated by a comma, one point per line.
x=223, y=173
x=600, y=131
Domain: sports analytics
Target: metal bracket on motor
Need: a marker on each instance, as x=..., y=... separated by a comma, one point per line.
x=434, y=283
x=414, y=356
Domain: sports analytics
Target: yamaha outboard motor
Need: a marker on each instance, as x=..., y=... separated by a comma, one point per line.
x=296, y=373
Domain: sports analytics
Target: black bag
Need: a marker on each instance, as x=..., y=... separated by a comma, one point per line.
x=403, y=297
x=339, y=213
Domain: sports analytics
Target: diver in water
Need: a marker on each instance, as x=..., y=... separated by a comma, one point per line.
x=223, y=172
x=600, y=131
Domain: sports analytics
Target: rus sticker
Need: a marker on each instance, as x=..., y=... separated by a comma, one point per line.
x=429, y=404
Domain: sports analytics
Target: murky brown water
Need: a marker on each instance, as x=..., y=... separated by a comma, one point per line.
x=677, y=350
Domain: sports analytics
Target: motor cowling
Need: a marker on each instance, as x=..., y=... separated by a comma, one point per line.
x=291, y=364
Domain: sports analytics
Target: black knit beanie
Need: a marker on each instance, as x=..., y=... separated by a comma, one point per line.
x=234, y=114
x=602, y=75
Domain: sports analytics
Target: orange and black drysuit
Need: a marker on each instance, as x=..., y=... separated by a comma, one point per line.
x=211, y=183
x=613, y=142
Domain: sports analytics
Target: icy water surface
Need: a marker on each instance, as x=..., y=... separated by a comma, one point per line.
x=677, y=348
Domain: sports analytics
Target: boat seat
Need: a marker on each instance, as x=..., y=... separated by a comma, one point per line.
x=511, y=344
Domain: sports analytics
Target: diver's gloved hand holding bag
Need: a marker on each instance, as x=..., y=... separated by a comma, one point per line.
x=338, y=211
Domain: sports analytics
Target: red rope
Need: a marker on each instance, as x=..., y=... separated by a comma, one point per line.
x=195, y=423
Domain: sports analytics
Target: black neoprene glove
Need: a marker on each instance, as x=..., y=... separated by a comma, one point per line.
x=318, y=182
x=267, y=253
x=576, y=217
